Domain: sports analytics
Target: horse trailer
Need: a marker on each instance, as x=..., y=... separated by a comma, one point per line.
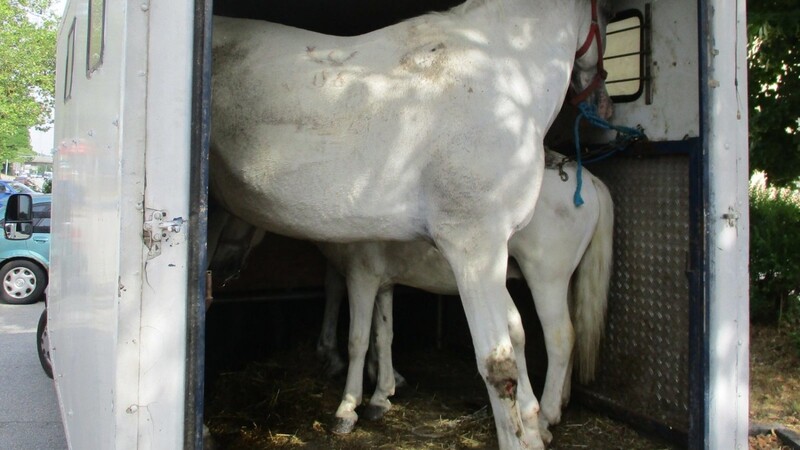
x=128, y=285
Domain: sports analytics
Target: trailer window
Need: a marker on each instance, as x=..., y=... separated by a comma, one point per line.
x=624, y=55
x=94, y=46
x=69, y=63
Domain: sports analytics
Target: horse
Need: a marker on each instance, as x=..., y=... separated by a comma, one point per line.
x=431, y=128
x=560, y=240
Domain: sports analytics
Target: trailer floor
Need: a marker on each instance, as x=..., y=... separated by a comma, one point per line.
x=285, y=402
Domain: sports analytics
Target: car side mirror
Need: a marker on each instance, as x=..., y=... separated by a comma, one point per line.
x=19, y=217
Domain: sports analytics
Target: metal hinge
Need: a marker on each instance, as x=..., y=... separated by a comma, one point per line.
x=157, y=231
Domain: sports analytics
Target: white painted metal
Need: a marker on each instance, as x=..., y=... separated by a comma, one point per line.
x=675, y=111
x=727, y=226
x=162, y=366
x=117, y=321
x=674, y=114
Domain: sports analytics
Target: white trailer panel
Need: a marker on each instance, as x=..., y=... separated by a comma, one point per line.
x=117, y=315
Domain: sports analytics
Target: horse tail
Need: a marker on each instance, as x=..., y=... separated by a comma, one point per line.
x=590, y=287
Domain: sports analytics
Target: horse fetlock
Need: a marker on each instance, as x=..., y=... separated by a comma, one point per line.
x=502, y=373
x=399, y=380
x=546, y=435
x=531, y=413
x=551, y=413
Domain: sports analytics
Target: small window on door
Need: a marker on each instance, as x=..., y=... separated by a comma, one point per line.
x=96, y=36
x=624, y=56
x=69, y=62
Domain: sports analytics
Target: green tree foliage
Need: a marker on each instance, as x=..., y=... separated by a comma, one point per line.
x=774, y=84
x=16, y=145
x=774, y=252
x=27, y=72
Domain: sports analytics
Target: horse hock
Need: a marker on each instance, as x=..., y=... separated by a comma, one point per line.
x=502, y=373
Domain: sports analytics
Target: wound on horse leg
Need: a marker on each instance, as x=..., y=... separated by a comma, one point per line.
x=502, y=372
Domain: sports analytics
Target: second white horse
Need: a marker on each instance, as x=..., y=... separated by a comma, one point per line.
x=560, y=240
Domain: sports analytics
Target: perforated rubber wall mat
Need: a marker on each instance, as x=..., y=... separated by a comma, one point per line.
x=644, y=364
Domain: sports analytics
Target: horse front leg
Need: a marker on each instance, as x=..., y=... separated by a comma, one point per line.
x=517, y=333
x=382, y=333
x=327, y=348
x=480, y=271
x=362, y=289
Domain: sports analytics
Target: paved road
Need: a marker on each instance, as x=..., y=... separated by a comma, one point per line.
x=29, y=417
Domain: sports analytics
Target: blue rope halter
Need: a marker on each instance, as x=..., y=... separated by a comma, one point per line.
x=625, y=135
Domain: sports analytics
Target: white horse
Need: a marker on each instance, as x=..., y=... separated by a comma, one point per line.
x=559, y=239
x=428, y=129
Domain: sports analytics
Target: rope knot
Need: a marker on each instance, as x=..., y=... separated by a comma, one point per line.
x=625, y=137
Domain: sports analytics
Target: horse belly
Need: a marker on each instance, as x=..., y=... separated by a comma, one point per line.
x=420, y=265
x=319, y=200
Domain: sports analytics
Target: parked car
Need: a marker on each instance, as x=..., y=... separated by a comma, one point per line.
x=24, y=264
x=29, y=182
x=13, y=187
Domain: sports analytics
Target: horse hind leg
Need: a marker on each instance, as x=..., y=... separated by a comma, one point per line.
x=373, y=362
x=327, y=348
x=480, y=273
x=382, y=331
x=362, y=289
x=373, y=359
x=550, y=298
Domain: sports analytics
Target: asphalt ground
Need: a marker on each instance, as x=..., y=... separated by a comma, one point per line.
x=29, y=415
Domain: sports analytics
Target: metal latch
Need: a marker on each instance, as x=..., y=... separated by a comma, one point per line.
x=731, y=217
x=157, y=231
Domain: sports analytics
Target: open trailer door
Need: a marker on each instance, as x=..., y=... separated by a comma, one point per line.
x=126, y=291
x=724, y=367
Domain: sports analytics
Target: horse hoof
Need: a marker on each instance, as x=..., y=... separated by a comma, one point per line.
x=343, y=426
x=374, y=412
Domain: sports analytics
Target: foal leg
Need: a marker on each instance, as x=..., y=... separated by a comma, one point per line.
x=380, y=318
x=480, y=272
x=362, y=289
x=327, y=348
x=567, y=391
x=550, y=299
x=373, y=362
x=383, y=334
